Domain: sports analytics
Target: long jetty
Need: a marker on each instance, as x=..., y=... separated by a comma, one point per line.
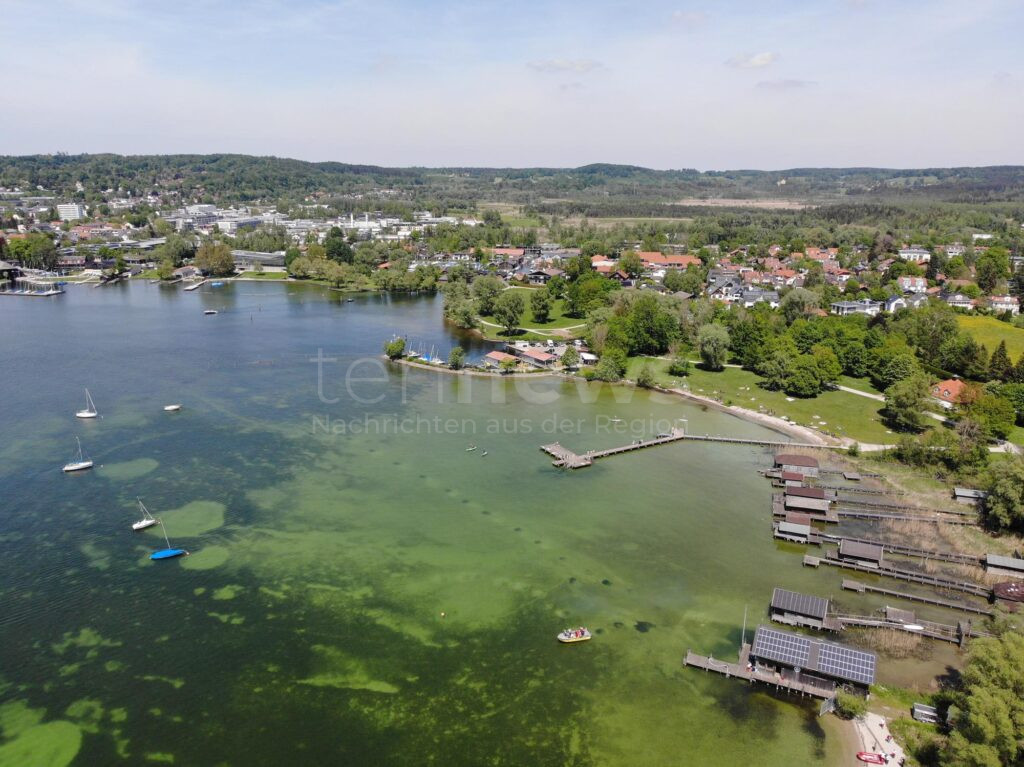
x=943, y=631
x=851, y=585
x=568, y=459
x=950, y=584
x=789, y=680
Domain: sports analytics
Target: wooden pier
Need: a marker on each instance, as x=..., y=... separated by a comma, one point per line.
x=851, y=585
x=567, y=459
x=789, y=681
x=906, y=551
x=958, y=634
x=948, y=584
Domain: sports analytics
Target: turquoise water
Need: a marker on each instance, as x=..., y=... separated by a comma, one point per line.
x=361, y=589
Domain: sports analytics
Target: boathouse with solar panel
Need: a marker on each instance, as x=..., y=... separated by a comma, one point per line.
x=811, y=661
x=1009, y=566
x=795, y=609
x=869, y=554
x=798, y=464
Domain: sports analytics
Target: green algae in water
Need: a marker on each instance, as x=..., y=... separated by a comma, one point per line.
x=336, y=669
x=86, y=638
x=157, y=756
x=17, y=716
x=177, y=684
x=191, y=520
x=227, y=592
x=232, y=619
x=98, y=557
x=54, y=744
x=206, y=558
x=87, y=714
x=127, y=470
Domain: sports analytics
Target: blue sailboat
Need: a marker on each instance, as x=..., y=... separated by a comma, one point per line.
x=169, y=552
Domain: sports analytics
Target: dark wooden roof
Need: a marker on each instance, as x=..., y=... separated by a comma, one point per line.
x=806, y=492
x=801, y=604
x=872, y=551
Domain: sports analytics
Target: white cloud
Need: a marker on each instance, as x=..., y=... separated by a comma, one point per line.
x=753, y=60
x=579, y=66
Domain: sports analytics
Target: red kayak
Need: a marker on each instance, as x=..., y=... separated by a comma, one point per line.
x=870, y=757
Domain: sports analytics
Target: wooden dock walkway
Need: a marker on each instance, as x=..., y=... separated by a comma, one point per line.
x=845, y=513
x=948, y=584
x=907, y=551
x=567, y=459
x=942, y=631
x=789, y=680
x=851, y=585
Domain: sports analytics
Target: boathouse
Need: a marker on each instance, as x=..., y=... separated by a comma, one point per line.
x=869, y=554
x=536, y=357
x=799, y=503
x=924, y=713
x=808, y=492
x=791, y=531
x=494, y=359
x=790, y=478
x=795, y=657
x=1009, y=566
x=795, y=609
x=798, y=464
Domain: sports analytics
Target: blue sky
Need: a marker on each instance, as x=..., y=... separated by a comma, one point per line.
x=712, y=85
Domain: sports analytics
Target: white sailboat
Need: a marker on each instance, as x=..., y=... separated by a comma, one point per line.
x=90, y=407
x=81, y=463
x=148, y=520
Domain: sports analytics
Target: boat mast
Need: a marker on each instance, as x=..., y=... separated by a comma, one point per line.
x=168, y=540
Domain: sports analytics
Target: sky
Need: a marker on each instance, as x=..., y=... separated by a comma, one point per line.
x=708, y=85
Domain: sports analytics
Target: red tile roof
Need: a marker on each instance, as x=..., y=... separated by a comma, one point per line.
x=949, y=391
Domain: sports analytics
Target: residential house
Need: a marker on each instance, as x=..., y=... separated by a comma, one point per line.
x=1002, y=304
x=652, y=261
x=909, y=301
x=958, y=300
x=912, y=284
x=948, y=393
x=917, y=255
x=863, y=306
x=751, y=297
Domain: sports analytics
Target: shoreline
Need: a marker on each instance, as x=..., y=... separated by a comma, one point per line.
x=774, y=423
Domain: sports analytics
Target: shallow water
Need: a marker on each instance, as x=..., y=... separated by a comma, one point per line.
x=362, y=589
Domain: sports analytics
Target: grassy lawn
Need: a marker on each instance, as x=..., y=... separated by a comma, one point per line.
x=990, y=331
x=844, y=414
x=263, y=275
x=521, y=222
x=860, y=384
x=556, y=320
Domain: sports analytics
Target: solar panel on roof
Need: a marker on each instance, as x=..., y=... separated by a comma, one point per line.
x=804, y=604
x=809, y=654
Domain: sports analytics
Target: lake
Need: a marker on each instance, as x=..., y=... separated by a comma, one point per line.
x=362, y=588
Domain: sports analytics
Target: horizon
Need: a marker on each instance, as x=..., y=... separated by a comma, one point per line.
x=666, y=86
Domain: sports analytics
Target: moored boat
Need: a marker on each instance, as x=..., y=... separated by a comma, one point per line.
x=571, y=636
x=871, y=757
x=172, y=408
x=148, y=520
x=170, y=552
x=81, y=462
x=210, y=311
x=90, y=407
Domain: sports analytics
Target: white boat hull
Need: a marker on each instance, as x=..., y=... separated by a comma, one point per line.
x=85, y=414
x=571, y=637
x=78, y=466
x=172, y=408
x=142, y=524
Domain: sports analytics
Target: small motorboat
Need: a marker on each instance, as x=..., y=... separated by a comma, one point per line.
x=483, y=453
x=216, y=284
x=80, y=462
x=349, y=300
x=471, y=448
x=871, y=757
x=172, y=408
x=571, y=636
x=210, y=311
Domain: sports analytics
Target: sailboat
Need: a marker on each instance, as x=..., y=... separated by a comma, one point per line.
x=90, y=407
x=168, y=553
x=148, y=520
x=81, y=463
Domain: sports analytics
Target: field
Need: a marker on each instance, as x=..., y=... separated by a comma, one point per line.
x=990, y=331
x=835, y=412
x=556, y=321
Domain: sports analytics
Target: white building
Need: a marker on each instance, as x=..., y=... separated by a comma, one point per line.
x=864, y=306
x=71, y=211
x=1004, y=304
x=917, y=255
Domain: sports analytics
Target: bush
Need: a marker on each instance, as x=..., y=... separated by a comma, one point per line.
x=395, y=349
x=457, y=358
x=851, y=706
x=853, y=450
x=645, y=379
x=680, y=366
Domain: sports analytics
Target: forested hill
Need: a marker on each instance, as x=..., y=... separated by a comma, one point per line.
x=242, y=177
